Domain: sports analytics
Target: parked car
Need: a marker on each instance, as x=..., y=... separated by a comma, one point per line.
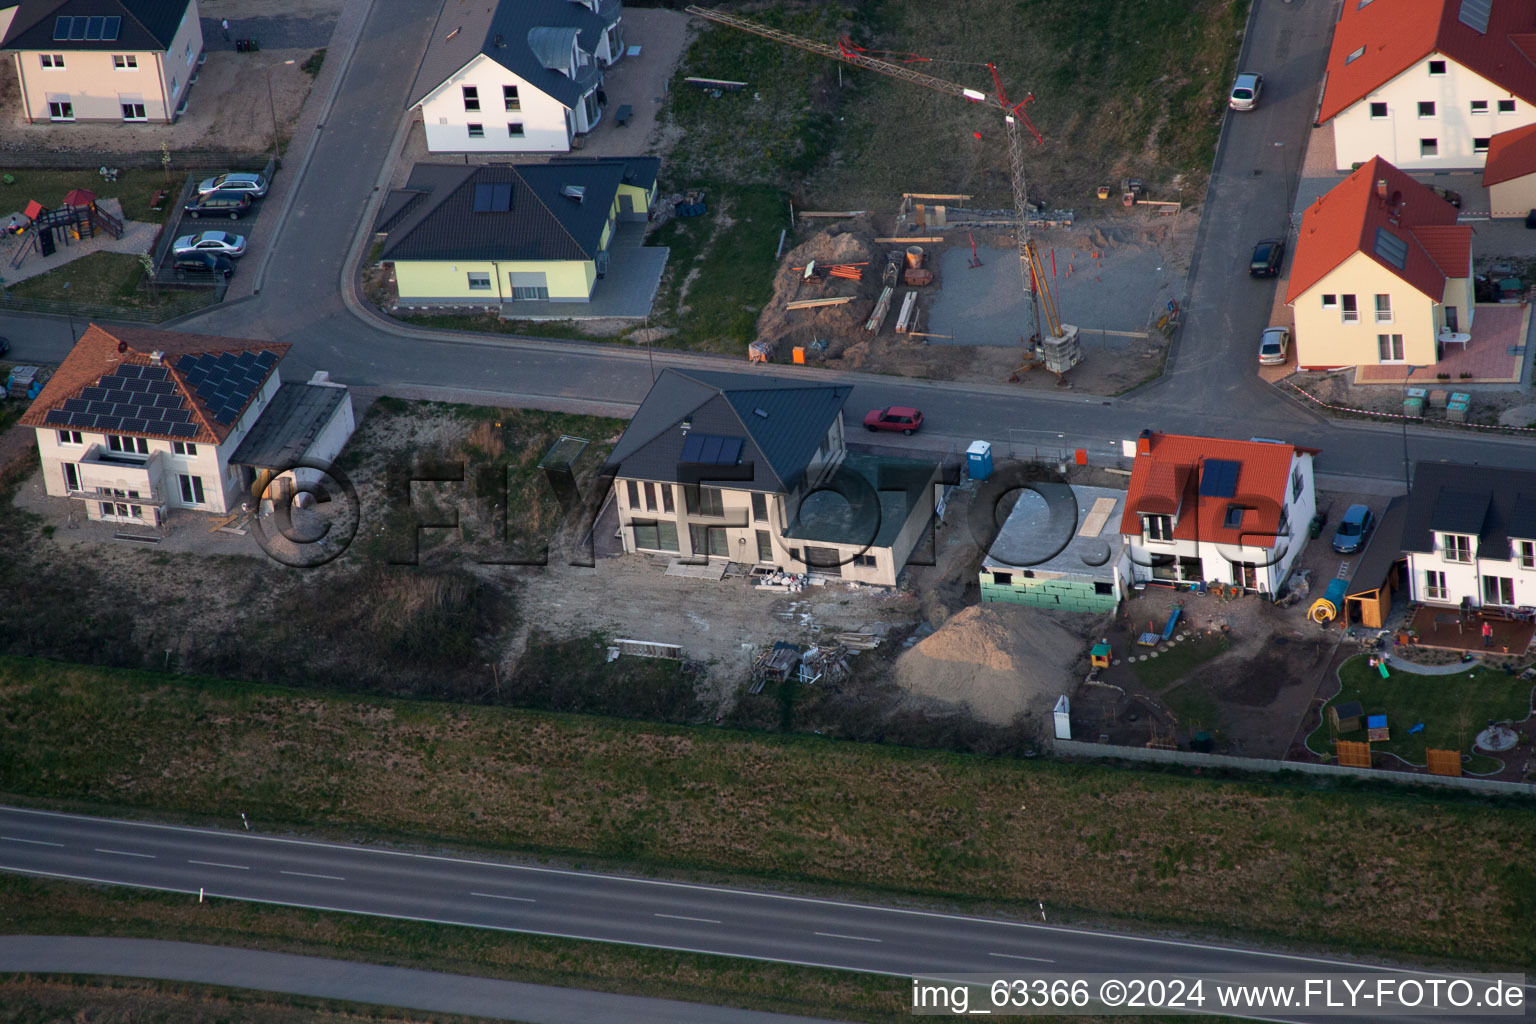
x=253, y=184
x=1353, y=529
x=221, y=242
x=1245, y=92
x=1274, y=345
x=1267, y=257
x=202, y=263
x=1454, y=198
x=233, y=205
x=897, y=417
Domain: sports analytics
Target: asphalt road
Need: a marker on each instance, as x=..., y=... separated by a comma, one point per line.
x=485, y=893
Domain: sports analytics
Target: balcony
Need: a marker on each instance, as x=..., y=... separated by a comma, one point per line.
x=103, y=472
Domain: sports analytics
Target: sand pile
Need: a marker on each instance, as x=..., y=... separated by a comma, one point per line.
x=1000, y=659
x=850, y=241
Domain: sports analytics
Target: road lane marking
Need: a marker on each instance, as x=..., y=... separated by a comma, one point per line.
x=125, y=853
x=494, y=896
x=216, y=864
x=1010, y=956
x=680, y=917
x=34, y=842
x=306, y=874
x=855, y=938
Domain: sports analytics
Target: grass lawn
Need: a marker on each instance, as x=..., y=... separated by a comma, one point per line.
x=1155, y=849
x=133, y=188
x=1176, y=661
x=490, y=322
x=1452, y=708
x=103, y=279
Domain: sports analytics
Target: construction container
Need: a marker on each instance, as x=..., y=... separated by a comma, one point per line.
x=914, y=256
x=1437, y=399
x=978, y=459
x=1416, y=393
x=917, y=278
x=1461, y=396
x=1456, y=412
x=797, y=354
x=1413, y=408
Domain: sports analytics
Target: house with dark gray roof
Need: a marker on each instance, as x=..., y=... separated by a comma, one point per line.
x=720, y=468
x=511, y=233
x=1470, y=536
x=128, y=61
x=516, y=76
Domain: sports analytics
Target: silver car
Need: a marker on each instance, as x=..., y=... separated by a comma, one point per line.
x=253, y=185
x=221, y=242
x=1245, y=93
x=1274, y=346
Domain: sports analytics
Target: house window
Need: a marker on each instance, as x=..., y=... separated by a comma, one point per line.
x=1378, y=111
x=1383, y=309
x=1389, y=348
x=129, y=445
x=1158, y=527
x=183, y=448
x=1002, y=579
x=655, y=536
x=1434, y=585
x=471, y=98
x=708, y=502
x=666, y=499
x=71, y=476
x=61, y=110
x=71, y=437
x=1284, y=529
x=1104, y=589
x=1348, y=312
x=173, y=85
x=1296, y=482
x=134, y=110
x=1479, y=106
x=1330, y=302
x=1505, y=106
x=191, y=489
x=759, y=507
x=479, y=280
x=1429, y=147
x=1498, y=590
x=868, y=561
x=1457, y=548
x=1234, y=519
x=509, y=97
x=515, y=130
x=764, y=546
x=1437, y=67
x=1480, y=145
x=1355, y=55
x=52, y=61
x=125, y=61
x=476, y=131
x=710, y=540
x=634, y=494
x=1527, y=552
x=650, y=496
x=522, y=294
x=1426, y=109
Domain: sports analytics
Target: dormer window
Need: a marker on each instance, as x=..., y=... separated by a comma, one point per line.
x=1456, y=547
x=1234, y=517
x=1525, y=551
x=1158, y=528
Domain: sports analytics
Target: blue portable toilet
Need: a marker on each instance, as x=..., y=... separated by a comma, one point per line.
x=978, y=458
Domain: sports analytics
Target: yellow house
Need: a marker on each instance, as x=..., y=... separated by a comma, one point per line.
x=1510, y=173
x=103, y=60
x=1382, y=274
x=511, y=233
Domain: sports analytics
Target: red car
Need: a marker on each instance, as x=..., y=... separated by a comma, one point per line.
x=897, y=417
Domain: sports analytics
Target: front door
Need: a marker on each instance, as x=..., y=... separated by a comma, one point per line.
x=1452, y=319
x=1246, y=575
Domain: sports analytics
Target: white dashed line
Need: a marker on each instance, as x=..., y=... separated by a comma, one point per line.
x=1010, y=956
x=306, y=874
x=125, y=853
x=855, y=938
x=216, y=864
x=680, y=917
x=34, y=842
x=494, y=896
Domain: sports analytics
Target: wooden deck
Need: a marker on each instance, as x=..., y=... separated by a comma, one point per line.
x=1445, y=628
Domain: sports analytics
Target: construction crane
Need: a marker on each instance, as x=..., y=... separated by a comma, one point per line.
x=1058, y=351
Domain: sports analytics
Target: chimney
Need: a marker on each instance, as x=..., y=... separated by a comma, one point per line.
x=687, y=422
x=155, y=358
x=1381, y=189
x=1144, y=443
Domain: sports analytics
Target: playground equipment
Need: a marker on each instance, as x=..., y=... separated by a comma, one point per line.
x=79, y=218
x=1325, y=608
x=1100, y=655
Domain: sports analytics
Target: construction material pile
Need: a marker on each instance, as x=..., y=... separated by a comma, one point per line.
x=1002, y=660
x=789, y=320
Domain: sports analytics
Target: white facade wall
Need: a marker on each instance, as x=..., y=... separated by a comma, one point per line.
x=548, y=124
x=1465, y=579
x=1357, y=136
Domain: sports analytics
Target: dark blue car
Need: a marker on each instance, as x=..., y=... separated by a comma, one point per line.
x=1353, y=529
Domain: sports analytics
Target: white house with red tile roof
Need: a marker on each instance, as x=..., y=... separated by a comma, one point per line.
x=136, y=422
x=1381, y=268
x=1427, y=84
x=1510, y=173
x=1219, y=511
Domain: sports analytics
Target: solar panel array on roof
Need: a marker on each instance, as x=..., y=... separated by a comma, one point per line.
x=224, y=382
x=1474, y=14
x=90, y=29
x=1218, y=479
x=132, y=399
x=710, y=450
x=1391, y=248
x=493, y=198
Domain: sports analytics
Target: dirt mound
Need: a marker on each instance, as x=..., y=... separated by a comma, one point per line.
x=1000, y=659
x=850, y=241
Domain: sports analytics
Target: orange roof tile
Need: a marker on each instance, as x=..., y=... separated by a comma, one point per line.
x=1347, y=219
x=1393, y=35
x=1262, y=483
x=1511, y=155
x=99, y=352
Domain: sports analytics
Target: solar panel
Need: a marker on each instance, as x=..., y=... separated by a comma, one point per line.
x=152, y=372
x=730, y=452
x=57, y=416
x=61, y=28
x=75, y=404
x=93, y=27
x=93, y=394
x=183, y=430
x=175, y=415
x=501, y=199
x=1391, y=248
x=81, y=419
x=1218, y=479
x=1474, y=14
x=129, y=370
x=110, y=29
x=710, y=450
x=77, y=30
x=157, y=427
x=482, y=199
x=135, y=423
x=691, y=445
x=99, y=408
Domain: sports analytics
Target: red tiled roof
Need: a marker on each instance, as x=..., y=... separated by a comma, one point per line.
x=1511, y=155
x=1345, y=221
x=1397, y=34
x=1262, y=483
x=99, y=352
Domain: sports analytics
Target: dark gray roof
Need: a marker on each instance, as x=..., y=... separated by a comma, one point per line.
x=142, y=25
x=639, y=171
x=896, y=484
x=1491, y=503
x=501, y=32
x=288, y=426
x=1383, y=549
x=778, y=444
x=425, y=179
x=542, y=224
x=225, y=382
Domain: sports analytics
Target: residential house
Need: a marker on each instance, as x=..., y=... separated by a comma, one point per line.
x=1427, y=84
x=1380, y=273
x=516, y=76
x=1202, y=509
x=756, y=471
x=529, y=232
x=136, y=422
x=1060, y=548
x=1510, y=173
x=1470, y=536
x=103, y=60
